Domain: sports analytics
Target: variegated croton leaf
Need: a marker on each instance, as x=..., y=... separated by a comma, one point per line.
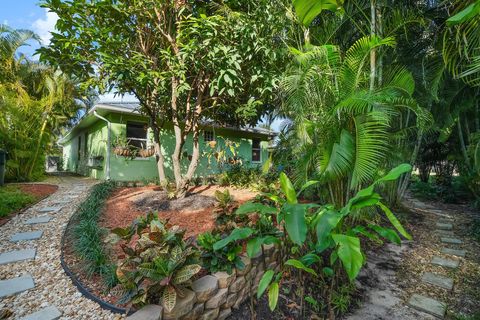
x=185, y=273
x=169, y=298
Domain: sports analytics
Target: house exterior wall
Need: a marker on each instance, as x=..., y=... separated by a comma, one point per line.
x=93, y=143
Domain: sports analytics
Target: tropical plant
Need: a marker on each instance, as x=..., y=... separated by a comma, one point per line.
x=223, y=259
x=315, y=239
x=157, y=267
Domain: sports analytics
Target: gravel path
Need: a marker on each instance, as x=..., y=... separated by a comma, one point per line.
x=52, y=285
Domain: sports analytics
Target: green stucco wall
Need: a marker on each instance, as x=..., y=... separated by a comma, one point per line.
x=93, y=142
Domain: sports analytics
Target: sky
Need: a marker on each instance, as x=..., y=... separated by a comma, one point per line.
x=27, y=14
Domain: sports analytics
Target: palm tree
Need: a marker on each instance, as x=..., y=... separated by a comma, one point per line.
x=343, y=129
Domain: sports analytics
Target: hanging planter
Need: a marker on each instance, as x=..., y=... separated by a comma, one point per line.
x=146, y=153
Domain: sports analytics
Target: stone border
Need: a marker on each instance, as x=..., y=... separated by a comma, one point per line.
x=83, y=290
x=213, y=296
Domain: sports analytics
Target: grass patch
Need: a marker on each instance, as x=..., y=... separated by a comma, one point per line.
x=88, y=235
x=12, y=198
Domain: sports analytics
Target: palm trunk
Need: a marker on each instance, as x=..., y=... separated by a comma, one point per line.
x=462, y=143
x=37, y=149
x=373, y=53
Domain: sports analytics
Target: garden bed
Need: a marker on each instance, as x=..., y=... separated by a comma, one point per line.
x=15, y=198
x=193, y=213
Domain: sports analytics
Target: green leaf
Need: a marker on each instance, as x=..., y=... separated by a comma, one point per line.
x=306, y=185
x=169, y=298
x=395, y=173
x=326, y=223
x=264, y=282
x=237, y=234
x=287, y=188
x=250, y=207
x=299, y=265
x=295, y=222
x=307, y=10
x=387, y=233
x=349, y=253
x=309, y=259
x=185, y=273
x=254, y=246
x=394, y=221
x=328, y=271
x=466, y=14
x=273, y=295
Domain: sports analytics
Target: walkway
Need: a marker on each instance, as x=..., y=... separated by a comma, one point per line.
x=33, y=284
x=435, y=276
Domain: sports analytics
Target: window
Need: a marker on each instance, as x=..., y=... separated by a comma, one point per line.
x=256, y=151
x=208, y=136
x=137, y=134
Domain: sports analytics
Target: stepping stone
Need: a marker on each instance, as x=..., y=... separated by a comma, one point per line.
x=444, y=226
x=18, y=255
x=440, y=214
x=48, y=313
x=446, y=220
x=15, y=285
x=49, y=209
x=37, y=220
x=445, y=233
x=428, y=305
x=454, y=252
x=451, y=240
x=447, y=263
x=24, y=236
x=64, y=201
x=438, y=280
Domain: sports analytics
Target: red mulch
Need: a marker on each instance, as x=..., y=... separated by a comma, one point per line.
x=39, y=191
x=126, y=204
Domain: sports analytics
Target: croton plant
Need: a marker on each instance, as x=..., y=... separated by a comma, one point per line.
x=157, y=263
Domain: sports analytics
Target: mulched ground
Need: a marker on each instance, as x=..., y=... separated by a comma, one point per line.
x=193, y=213
x=465, y=297
x=39, y=191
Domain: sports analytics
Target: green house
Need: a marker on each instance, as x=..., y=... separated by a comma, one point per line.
x=89, y=147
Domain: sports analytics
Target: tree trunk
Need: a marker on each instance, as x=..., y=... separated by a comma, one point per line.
x=159, y=155
x=179, y=140
x=373, y=53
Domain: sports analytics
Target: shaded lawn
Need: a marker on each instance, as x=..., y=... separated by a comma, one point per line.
x=12, y=198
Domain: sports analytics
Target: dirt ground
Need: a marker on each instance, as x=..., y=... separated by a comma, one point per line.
x=193, y=213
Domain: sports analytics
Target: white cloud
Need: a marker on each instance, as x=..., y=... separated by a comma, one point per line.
x=5, y=22
x=44, y=26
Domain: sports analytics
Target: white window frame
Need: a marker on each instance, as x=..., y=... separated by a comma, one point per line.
x=259, y=149
x=137, y=139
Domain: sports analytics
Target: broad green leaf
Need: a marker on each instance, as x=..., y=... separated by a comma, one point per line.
x=299, y=265
x=307, y=10
x=264, y=282
x=394, y=221
x=466, y=14
x=387, y=233
x=349, y=253
x=396, y=172
x=287, y=188
x=362, y=230
x=250, y=207
x=169, y=298
x=295, y=222
x=309, y=259
x=326, y=223
x=185, y=273
x=328, y=271
x=237, y=234
x=254, y=246
x=273, y=295
x=306, y=185
x=266, y=166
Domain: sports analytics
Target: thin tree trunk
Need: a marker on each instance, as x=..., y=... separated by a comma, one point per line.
x=179, y=141
x=159, y=155
x=373, y=53
x=37, y=149
x=404, y=181
x=462, y=143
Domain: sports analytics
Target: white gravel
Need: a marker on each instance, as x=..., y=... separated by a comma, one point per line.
x=52, y=285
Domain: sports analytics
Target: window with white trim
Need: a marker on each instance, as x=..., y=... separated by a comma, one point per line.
x=137, y=134
x=256, y=151
x=208, y=136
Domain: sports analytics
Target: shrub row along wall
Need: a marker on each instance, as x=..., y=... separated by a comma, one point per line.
x=215, y=295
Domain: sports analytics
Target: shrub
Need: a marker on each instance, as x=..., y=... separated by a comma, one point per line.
x=13, y=199
x=88, y=235
x=156, y=266
x=224, y=259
